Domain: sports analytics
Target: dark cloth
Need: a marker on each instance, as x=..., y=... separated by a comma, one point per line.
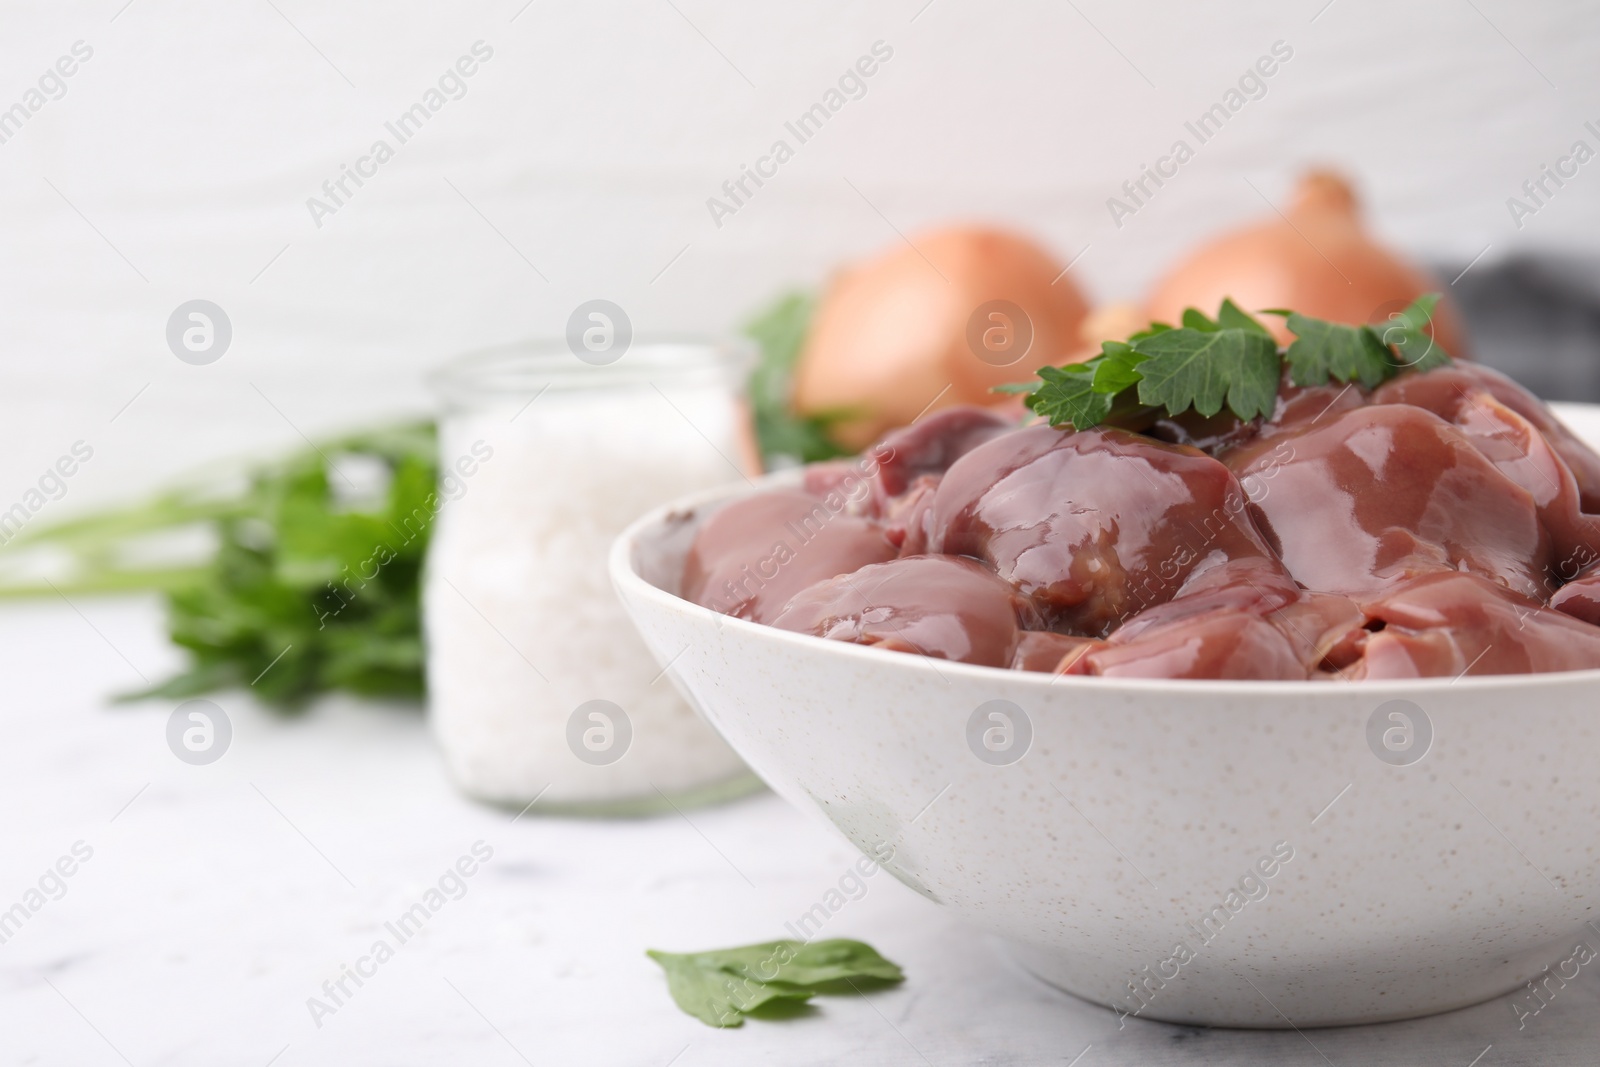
x=1536, y=318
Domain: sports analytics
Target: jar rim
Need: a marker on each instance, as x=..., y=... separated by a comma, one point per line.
x=529, y=367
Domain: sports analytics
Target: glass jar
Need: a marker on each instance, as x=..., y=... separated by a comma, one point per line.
x=538, y=685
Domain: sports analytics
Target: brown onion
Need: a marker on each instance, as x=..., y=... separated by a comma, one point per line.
x=1317, y=259
x=895, y=332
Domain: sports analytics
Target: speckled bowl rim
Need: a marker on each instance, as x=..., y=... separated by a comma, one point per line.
x=625, y=576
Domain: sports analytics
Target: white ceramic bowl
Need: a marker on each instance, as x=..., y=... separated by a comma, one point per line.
x=1426, y=873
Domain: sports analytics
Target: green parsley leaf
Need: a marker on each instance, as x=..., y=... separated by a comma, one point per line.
x=1231, y=360
x=1369, y=354
x=1406, y=332
x=780, y=332
x=1333, y=350
x=1195, y=368
x=1082, y=394
x=1068, y=395
x=717, y=997
x=1116, y=367
x=1149, y=331
x=1231, y=318
x=719, y=987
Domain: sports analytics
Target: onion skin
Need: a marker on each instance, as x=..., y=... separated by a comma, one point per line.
x=1321, y=262
x=1111, y=322
x=890, y=334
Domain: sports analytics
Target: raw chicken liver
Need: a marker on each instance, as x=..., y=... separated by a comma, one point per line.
x=1442, y=524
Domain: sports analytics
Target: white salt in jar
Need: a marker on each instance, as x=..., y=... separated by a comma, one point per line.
x=538, y=685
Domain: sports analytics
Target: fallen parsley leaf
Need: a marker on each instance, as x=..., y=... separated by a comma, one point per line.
x=719, y=987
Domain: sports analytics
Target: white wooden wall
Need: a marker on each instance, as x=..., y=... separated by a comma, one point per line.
x=179, y=159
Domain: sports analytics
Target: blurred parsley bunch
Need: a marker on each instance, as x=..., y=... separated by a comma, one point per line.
x=307, y=576
x=784, y=436
x=310, y=582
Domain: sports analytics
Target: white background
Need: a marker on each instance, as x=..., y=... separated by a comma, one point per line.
x=593, y=138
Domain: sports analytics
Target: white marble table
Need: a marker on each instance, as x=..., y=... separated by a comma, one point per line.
x=219, y=898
